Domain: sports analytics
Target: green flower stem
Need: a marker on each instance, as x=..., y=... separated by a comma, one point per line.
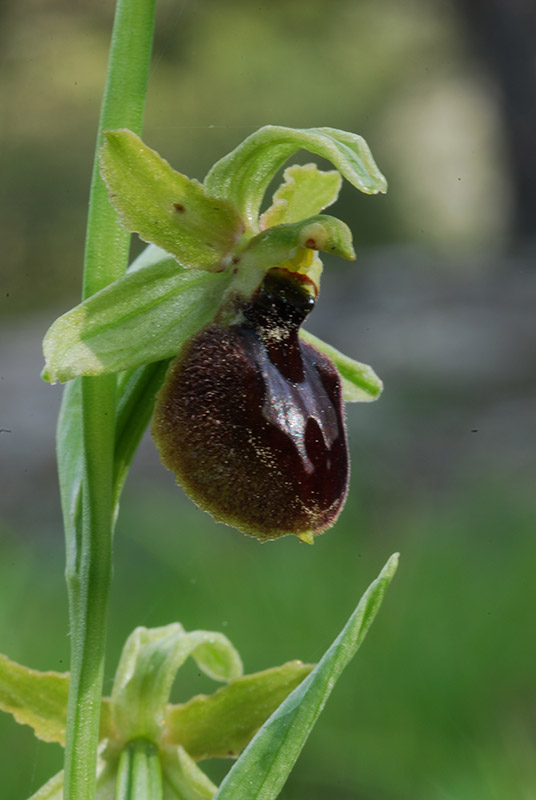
x=89, y=572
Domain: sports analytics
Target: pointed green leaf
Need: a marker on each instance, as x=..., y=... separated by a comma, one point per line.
x=360, y=384
x=265, y=764
x=145, y=316
x=243, y=175
x=165, y=207
x=38, y=699
x=221, y=724
x=306, y=191
x=149, y=662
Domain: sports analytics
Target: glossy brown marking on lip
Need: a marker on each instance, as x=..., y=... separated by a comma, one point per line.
x=250, y=419
x=179, y=208
x=311, y=244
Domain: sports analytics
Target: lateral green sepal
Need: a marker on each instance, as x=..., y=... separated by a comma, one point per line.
x=38, y=699
x=145, y=316
x=183, y=780
x=221, y=724
x=165, y=207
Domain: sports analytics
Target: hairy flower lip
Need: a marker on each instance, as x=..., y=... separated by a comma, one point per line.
x=250, y=417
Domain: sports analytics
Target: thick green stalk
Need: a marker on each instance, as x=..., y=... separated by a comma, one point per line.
x=89, y=566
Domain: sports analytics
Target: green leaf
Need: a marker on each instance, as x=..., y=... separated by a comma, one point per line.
x=306, y=191
x=38, y=699
x=165, y=207
x=265, y=764
x=149, y=662
x=143, y=317
x=221, y=724
x=243, y=175
x=360, y=384
x=183, y=780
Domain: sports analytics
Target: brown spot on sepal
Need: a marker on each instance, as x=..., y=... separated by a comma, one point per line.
x=179, y=208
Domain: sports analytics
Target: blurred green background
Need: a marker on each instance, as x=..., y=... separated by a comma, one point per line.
x=440, y=703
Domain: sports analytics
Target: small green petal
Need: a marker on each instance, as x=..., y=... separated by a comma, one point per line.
x=360, y=384
x=145, y=316
x=38, y=699
x=149, y=662
x=221, y=724
x=165, y=207
x=243, y=175
x=306, y=191
x=276, y=246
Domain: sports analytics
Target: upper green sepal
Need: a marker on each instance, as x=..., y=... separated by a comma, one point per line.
x=143, y=317
x=243, y=175
x=167, y=208
x=147, y=669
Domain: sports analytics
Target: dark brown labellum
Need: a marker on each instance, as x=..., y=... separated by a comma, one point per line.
x=250, y=419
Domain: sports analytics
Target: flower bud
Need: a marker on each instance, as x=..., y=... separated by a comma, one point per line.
x=250, y=418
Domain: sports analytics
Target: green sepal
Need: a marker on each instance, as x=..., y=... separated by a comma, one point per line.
x=183, y=780
x=145, y=316
x=305, y=192
x=164, y=207
x=38, y=699
x=146, y=671
x=221, y=724
x=243, y=175
x=360, y=384
x=265, y=764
